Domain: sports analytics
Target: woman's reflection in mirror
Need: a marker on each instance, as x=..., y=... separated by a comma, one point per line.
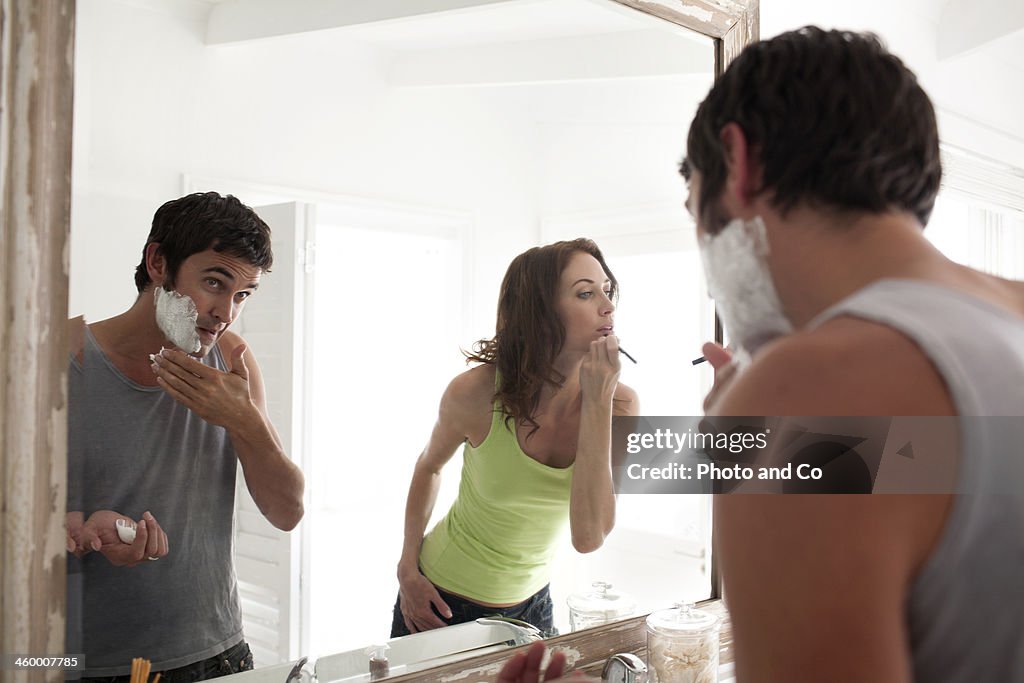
x=535, y=416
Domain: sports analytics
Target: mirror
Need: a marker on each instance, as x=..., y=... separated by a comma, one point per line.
x=402, y=160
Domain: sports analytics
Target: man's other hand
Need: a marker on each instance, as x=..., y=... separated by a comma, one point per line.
x=524, y=667
x=150, y=539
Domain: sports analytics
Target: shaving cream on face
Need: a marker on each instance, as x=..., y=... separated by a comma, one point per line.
x=176, y=316
x=738, y=280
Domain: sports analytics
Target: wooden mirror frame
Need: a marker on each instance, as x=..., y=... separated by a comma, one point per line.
x=37, y=82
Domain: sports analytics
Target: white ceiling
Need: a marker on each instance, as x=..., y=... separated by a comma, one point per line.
x=969, y=54
x=1010, y=51
x=512, y=22
x=429, y=24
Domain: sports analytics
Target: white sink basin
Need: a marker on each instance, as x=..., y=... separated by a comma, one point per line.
x=277, y=673
x=424, y=650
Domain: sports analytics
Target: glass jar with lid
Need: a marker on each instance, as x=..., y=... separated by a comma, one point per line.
x=598, y=605
x=682, y=645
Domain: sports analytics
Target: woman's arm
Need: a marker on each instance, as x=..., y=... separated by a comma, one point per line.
x=459, y=418
x=592, y=500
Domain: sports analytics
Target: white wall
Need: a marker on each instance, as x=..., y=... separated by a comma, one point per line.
x=313, y=111
x=152, y=102
x=978, y=97
x=135, y=67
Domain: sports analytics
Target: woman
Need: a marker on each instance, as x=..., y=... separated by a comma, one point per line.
x=535, y=416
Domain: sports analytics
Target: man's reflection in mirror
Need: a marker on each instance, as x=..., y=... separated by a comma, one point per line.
x=165, y=403
x=535, y=417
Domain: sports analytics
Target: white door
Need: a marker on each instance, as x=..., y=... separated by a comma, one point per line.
x=268, y=562
x=387, y=334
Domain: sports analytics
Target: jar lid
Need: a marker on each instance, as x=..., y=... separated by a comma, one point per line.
x=683, y=618
x=602, y=600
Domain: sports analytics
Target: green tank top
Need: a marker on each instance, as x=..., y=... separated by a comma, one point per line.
x=497, y=541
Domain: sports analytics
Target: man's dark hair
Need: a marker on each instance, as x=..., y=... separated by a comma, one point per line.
x=201, y=221
x=834, y=119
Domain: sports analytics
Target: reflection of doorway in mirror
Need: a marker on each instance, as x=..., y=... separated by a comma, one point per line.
x=387, y=317
x=659, y=550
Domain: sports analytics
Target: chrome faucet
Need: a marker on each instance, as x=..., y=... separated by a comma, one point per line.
x=522, y=633
x=624, y=668
x=296, y=672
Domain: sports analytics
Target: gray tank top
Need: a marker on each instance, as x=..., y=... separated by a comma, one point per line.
x=965, y=613
x=131, y=449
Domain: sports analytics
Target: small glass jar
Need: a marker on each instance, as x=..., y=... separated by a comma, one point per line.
x=599, y=605
x=682, y=645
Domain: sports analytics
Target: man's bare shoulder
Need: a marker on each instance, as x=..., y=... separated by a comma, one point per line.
x=848, y=366
x=1014, y=294
x=229, y=341
x=76, y=337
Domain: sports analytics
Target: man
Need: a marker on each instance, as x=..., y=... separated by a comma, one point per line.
x=813, y=166
x=164, y=402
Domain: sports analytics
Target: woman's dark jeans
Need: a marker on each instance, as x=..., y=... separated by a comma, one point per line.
x=536, y=609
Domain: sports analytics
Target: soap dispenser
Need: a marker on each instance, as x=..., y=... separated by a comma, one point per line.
x=379, y=666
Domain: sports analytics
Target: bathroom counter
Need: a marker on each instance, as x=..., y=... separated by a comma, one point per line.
x=585, y=650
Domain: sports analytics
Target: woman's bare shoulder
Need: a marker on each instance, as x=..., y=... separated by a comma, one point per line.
x=626, y=401
x=472, y=388
x=466, y=406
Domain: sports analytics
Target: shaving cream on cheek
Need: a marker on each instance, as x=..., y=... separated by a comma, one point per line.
x=738, y=280
x=176, y=316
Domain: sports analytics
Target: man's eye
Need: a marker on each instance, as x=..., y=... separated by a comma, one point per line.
x=243, y=295
x=212, y=282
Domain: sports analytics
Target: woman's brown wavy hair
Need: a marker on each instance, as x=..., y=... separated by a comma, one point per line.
x=529, y=333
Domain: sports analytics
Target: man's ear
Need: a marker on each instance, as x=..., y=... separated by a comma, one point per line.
x=742, y=180
x=156, y=264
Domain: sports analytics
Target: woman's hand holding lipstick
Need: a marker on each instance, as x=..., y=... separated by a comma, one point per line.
x=623, y=352
x=599, y=372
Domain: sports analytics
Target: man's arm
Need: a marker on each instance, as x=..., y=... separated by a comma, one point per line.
x=274, y=481
x=817, y=584
x=236, y=400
